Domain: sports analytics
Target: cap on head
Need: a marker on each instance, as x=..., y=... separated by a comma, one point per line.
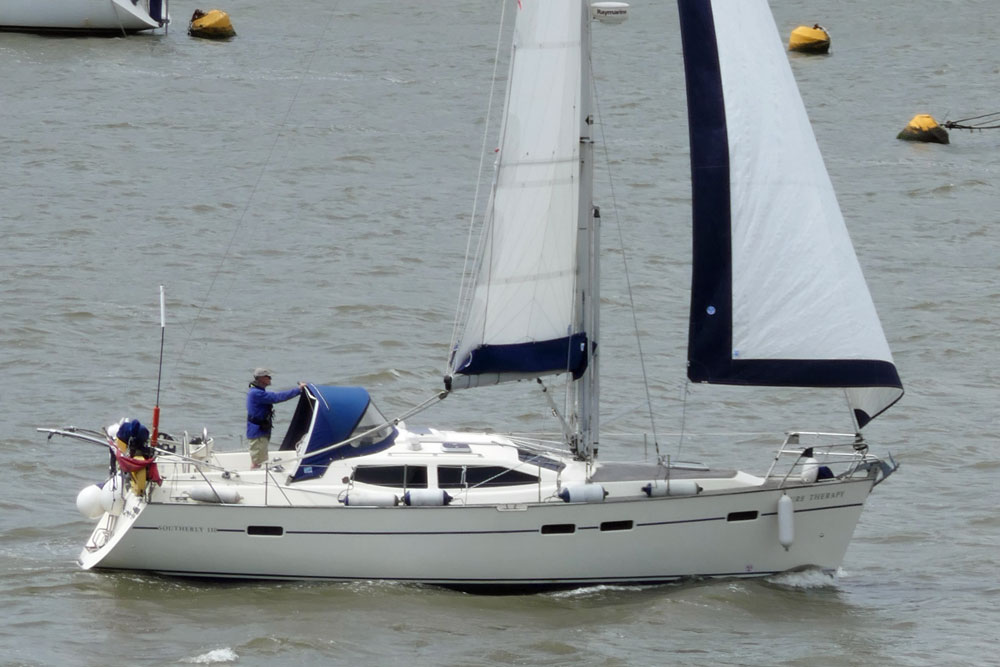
x=261, y=372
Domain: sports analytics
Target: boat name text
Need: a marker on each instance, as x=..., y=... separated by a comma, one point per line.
x=829, y=495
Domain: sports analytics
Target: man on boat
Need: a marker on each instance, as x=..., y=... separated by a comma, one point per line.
x=260, y=413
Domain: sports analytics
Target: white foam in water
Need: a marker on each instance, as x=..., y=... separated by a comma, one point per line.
x=212, y=657
x=807, y=579
x=592, y=590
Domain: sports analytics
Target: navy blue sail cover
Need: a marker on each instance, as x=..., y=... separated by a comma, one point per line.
x=535, y=358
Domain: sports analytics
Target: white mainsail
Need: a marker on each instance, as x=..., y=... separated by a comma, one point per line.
x=523, y=316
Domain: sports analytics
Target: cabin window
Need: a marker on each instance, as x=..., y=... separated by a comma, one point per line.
x=749, y=515
x=271, y=531
x=400, y=477
x=460, y=477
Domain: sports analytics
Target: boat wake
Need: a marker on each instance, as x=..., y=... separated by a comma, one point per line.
x=213, y=657
x=807, y=579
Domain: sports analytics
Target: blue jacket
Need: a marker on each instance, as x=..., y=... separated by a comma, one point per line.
x=259, y=402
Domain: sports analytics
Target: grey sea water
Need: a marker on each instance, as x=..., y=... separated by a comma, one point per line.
x=303, y=193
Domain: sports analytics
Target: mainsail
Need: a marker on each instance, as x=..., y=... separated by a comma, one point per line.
x=523, y=317
x=778, y=297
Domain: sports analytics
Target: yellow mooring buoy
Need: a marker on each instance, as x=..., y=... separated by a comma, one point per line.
x=923, y=127
x=213, y=24
x=809, y=40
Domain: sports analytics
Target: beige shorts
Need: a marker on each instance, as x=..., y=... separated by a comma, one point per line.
x=258, y=449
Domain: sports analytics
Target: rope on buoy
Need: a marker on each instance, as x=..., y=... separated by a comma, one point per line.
x=982, y=125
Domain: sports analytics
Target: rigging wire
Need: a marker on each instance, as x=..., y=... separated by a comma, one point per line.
x=685, y=392
x=628, y=279
x=260, y=177
x=467, y=280
x=960, y=124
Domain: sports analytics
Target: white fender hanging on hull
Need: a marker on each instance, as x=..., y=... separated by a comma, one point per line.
x=786, y=521
x=426, y=497
x=88, y=502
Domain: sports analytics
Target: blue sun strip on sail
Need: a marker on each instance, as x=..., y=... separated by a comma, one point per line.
x=710, y=331
x=559, y=355
x=809, y=373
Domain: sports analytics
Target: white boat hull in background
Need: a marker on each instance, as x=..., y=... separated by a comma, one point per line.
x=84, y=16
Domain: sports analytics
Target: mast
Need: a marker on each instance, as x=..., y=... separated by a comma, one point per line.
x=588, y=260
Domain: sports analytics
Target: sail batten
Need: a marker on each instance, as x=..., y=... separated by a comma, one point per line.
x=778, y=297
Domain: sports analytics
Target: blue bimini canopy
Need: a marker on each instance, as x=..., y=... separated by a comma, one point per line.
x=327, y=415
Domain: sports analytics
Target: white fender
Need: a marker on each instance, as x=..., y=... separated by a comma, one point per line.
x=217, y=494
x=88, y=502
x=368, y=498
x=786, y=521
x=672, y=487
x=426, y=497
x=582, y=493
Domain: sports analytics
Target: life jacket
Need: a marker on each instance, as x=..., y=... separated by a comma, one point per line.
x=266, y=423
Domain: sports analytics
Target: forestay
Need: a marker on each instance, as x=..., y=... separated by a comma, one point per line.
x=778, y=297
x=522, y=316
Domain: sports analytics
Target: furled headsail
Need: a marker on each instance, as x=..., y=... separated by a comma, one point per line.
x=522, y=315
x=777, y=297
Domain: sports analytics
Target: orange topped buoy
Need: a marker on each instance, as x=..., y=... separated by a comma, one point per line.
x=923, y=127
x=213, y=24
x=809, y=40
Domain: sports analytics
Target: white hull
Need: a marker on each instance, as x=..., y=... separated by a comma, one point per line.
x=86, y=16
x=731, y=529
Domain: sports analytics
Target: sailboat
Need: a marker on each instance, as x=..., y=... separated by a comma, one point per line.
x=777, y=299
x=113, y=17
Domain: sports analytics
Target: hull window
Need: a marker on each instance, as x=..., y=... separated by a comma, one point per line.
x=558, y=529
x=616, y=525
x=742, y=516
x=271, y=531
